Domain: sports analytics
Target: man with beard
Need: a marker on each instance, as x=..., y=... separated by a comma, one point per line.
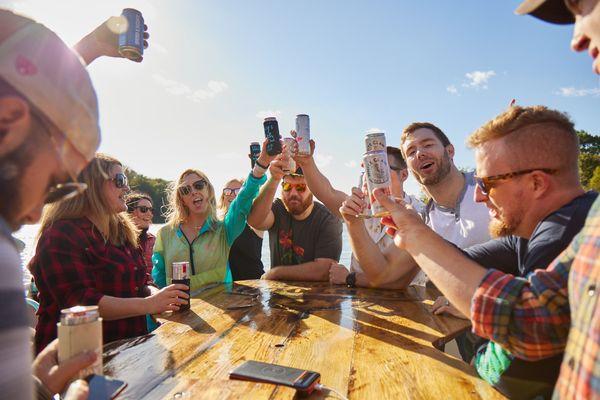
x=304, y=237
x=527, y=176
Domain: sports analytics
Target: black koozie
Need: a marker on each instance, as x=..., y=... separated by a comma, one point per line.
x=184, y=307
x=273, y=137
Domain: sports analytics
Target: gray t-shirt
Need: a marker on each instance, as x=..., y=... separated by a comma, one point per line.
x=295, y=242
x=16, y=381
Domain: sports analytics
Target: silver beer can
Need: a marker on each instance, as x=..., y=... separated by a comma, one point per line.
x=290, y=144
x=377, y=174
x=303, y=134
x=375, y=141
x=181, y=270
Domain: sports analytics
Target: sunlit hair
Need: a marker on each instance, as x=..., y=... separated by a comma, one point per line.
x=118, y=228
x=439, y=134
x=537, y=137
x=176, y=212
x=396, y=154
x=133, y=198
x=222, y=205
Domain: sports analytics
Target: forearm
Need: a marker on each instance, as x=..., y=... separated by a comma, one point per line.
x=402, y=283
x=316, y=271
x=86, y=50
x=262, y=204
x=235, y=219
x=112, y=308
x=321, y=188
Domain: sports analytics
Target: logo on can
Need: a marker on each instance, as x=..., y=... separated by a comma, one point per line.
x=377, y=174
x=303, y=134
x=131, y=41
x=272, y=134
x=181, y=270
x=375, y=141
x=254, y=152
x=290, y=145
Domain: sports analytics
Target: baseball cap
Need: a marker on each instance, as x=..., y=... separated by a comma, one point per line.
x=554, y=11
x=40, y=66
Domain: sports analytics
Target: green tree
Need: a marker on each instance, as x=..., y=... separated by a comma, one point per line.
x=155, y=187
x=589, y=158
x=595, y=180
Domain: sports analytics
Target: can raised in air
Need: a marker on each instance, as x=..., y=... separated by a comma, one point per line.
x=254, y=152
x=377, y=174
x=80, y=330
x=375, y=141
x=303, y=134
x=272, y=134
x=131, y=41
x=290, y=145
x=181, y=274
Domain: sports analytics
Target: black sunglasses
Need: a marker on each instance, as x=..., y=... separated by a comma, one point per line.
x=120, y=180
x=230, y=191
x=187, y=189
x=144, y=209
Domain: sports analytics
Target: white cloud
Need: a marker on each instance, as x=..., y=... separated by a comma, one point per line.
x=351, y=164
x=323, y=160
x=572, y=92
x=452, y=89
x=181, y=89
x=268, y=113
x=478, y=79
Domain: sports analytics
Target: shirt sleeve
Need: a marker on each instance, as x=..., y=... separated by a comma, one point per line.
x=528, y=317
x=329, y=242
x=500, y=254
x=158, y=262
x=237, y=215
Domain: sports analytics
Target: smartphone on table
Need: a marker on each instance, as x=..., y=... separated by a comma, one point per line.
x=104, y=387
x=299, y=379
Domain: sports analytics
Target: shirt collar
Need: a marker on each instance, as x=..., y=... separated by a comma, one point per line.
x=207, y=226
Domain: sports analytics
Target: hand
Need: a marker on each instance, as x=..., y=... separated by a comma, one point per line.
x=300, y=159
x=55, y=377
x=338, y=274
x=353, y=205
x=78, y=390
x=167, y=299
x=404, y=224
x=264, y=158
x=270, y=274
x=104, y=40
x=443, y=306
x=278, y=166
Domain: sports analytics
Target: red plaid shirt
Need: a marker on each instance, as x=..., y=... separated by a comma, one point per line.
x=74, y=266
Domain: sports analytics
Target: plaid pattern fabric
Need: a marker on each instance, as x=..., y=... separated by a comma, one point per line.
x=74, y=266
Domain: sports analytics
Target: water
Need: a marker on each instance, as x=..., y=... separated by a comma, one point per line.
x=28, y=234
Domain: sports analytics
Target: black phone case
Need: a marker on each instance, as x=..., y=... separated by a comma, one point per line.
x=104, y=388
x=271, y=373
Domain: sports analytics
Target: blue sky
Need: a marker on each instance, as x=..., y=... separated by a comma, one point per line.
x=215, y=68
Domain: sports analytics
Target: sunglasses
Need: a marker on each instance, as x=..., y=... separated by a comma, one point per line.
x=300, y=187
x=198, y=185
x=487, y=183
x=231, y=192
x=144, y=209
x=120, y=180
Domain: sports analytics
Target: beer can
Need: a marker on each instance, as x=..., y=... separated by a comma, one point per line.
x=254, y=152
x=303, y=134
x=377, y=174
x=375, y=141
x=272, y=134
x=290, y=144
x=80, y=330
x=181, y=274
x=131, y=41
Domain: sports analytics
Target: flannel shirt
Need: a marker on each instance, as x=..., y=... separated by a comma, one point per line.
x=74, y=266
x=531, y=317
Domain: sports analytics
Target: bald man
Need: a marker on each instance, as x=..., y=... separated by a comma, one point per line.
x=527, y=175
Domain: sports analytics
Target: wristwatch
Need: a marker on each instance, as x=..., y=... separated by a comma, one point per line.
x=351, y=280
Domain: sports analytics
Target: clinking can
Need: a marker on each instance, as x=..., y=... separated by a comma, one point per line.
x=290, y=144
x=80, y=330
x=181, y=274
x=303, y=134
x=375, y=141
x=272, y=134
x=254, y=153
x=131, y=41
x=377, y=174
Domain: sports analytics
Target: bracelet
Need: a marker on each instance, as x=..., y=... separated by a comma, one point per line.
x=260, y=165
x=258, y=171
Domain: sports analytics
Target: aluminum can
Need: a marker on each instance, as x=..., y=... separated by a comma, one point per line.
x=131, y=41
x=272, y=134
x=181, y=274
x=80, y=330
x=303, y=134
x=377, y=174
x=290, y=144
x=375, y=141
x=254, y=153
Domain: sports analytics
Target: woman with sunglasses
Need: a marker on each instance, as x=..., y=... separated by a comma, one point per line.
x=245, y=254
x=193, y=232
x=139, y=207
x=88, y=254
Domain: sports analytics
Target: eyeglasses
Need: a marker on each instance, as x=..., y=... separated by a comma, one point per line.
x=230, y=191
x=144, y=209
x=65, y=190
x=396, y=168
x=198, y=185
x=120, y=180
x=300, y=187
x=486, y=183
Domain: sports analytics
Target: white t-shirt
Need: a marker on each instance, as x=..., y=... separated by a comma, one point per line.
x=467, y=224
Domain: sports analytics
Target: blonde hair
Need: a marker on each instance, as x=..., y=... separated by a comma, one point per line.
x=222, y=206
x=176, y=212
x=537, y=137
x=118, y=228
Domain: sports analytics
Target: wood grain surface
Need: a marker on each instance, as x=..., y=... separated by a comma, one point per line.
x=365, y=343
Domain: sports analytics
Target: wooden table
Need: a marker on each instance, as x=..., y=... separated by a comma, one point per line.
x=368, y=344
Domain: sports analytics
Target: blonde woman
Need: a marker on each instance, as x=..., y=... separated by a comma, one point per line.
x=88, y=254
x=245, y=254
x=193, y=232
